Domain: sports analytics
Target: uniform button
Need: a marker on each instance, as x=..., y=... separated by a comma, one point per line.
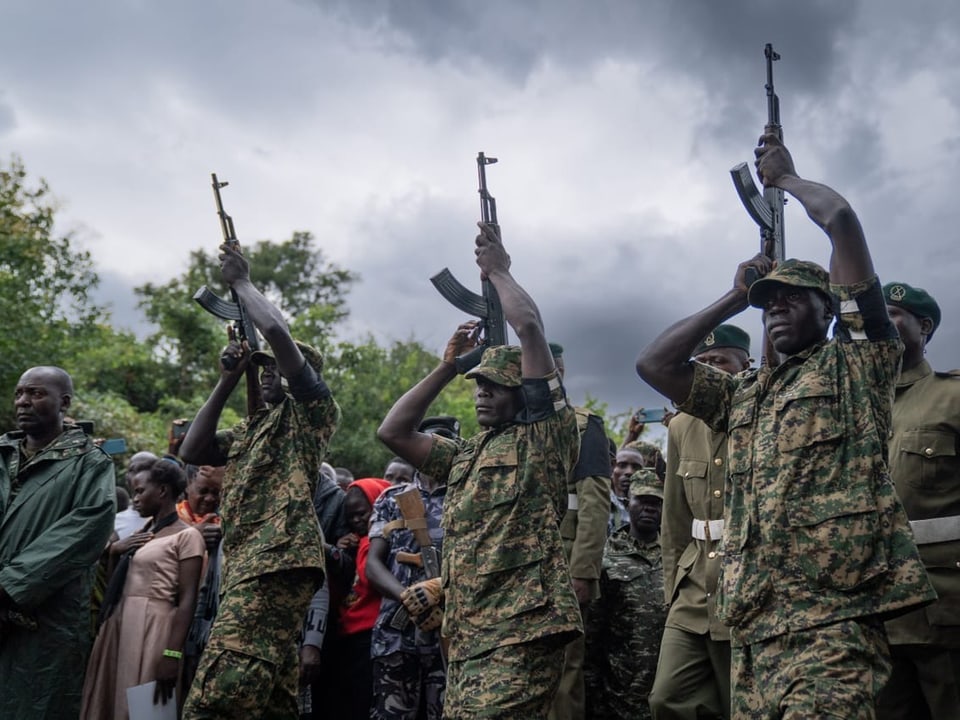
x=716, y=493
x=686, y=475
x=928, y=451
x=711, y=554
x=709, y=594
x=718, y=461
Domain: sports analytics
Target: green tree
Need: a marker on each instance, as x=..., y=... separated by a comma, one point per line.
x=45, y=283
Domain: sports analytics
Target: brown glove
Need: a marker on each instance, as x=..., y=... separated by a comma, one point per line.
x=420, y=598
x=432, y=619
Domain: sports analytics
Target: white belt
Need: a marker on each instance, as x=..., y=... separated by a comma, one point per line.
x=572, y=502
x=935, y=530
x=699, y=529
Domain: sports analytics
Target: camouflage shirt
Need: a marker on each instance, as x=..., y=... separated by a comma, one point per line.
x=505, y=578
x=814, y=532
x=624, y=628
x=273, y=461
x=386, y=639
x=925, y=466
x=696, y=469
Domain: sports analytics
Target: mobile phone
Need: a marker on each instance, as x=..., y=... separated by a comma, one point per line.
x=650, y=415
x=114, y=446
x=180, y=429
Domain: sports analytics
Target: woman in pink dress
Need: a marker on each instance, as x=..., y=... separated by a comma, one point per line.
x=141, y=638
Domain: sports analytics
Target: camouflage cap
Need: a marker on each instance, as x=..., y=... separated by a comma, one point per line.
x=798, y=273
x=444, y=425
x=310, y=353
x=500, y=364
x=725, y=336
x=646, y=482
x=914, y=300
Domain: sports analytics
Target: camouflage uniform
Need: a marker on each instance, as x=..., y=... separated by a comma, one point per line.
x=505, y=579
x=584, y=533
x=814, y=532
x=693, y=678
x=407, y=665
x=925, y=466
x=273, y=553
x=624, y=628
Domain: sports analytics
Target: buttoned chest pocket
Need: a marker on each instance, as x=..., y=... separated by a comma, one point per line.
x=807, y=413
x=626, y=573
x=740, y=431
x=928, y=459
x=495, y=478
x=694, y=474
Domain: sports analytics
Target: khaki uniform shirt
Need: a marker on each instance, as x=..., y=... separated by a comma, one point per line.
x=696, y=468
x=814, y=532
x=505, y=578
x=584, y=525
x=925, y=466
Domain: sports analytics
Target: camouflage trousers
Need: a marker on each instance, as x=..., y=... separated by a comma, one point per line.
x=249, y=668
x=832, y=671
x=404, y=682
x=514, y=682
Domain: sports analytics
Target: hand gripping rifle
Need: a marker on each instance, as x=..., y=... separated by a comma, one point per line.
x=766, y=209
x=485, y=306
x=233, y=311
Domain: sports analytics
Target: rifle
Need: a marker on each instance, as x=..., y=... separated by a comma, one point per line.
x=766, y=209
x=485, y=306
x=240, y=326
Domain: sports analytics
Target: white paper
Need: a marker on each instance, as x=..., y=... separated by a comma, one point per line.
x=140, y=703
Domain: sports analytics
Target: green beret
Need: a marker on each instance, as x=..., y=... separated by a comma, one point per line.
x=646, y=482
x=913, y=300
x=500, y=364
x=725, y=336
x=798, y=273
x=556, y=349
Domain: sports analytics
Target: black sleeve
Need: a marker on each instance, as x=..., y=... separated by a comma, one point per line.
x=594, y=451
x=307, y=385
x=539, y=396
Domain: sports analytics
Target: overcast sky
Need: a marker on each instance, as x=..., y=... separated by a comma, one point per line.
x=615, y=122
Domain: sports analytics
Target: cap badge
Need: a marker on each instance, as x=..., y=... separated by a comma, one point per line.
x=898, y=292
x=709, y=340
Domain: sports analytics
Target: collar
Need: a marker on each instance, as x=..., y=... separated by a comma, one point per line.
x=909, y=377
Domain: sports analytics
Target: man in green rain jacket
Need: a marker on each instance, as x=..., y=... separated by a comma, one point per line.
x=57, y=504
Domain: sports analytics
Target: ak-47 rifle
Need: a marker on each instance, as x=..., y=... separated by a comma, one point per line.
x=233, y=311
x=485, y=306
x=766, y=209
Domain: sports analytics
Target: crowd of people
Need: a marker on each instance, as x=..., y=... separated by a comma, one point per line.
x=795, y=552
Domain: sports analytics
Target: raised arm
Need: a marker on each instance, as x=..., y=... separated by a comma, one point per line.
x=398, y=431
x=850, y=261
x=664, y=364
x=519, y=309
x=264, y=314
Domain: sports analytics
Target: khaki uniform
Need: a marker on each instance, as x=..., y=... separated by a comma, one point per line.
x=925, y=466
x=584, y=533
x=814, y=533
x=505, y=578
x=693, y=673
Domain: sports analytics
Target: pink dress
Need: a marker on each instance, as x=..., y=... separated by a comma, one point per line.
x=133, y=639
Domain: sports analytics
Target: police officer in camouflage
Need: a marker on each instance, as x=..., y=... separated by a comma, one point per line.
x=817, y=548
x=272, y=543
x=693, y=673
x=925, y=466
x=509, y=604
x=624, y=625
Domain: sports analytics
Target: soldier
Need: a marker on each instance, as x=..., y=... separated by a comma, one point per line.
x=816, y=543
x=925, y=466
x=693, y=673
x=624, y=626
x=510, y=607
x=408, y=672
x=584, y=532
x=272, y=544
